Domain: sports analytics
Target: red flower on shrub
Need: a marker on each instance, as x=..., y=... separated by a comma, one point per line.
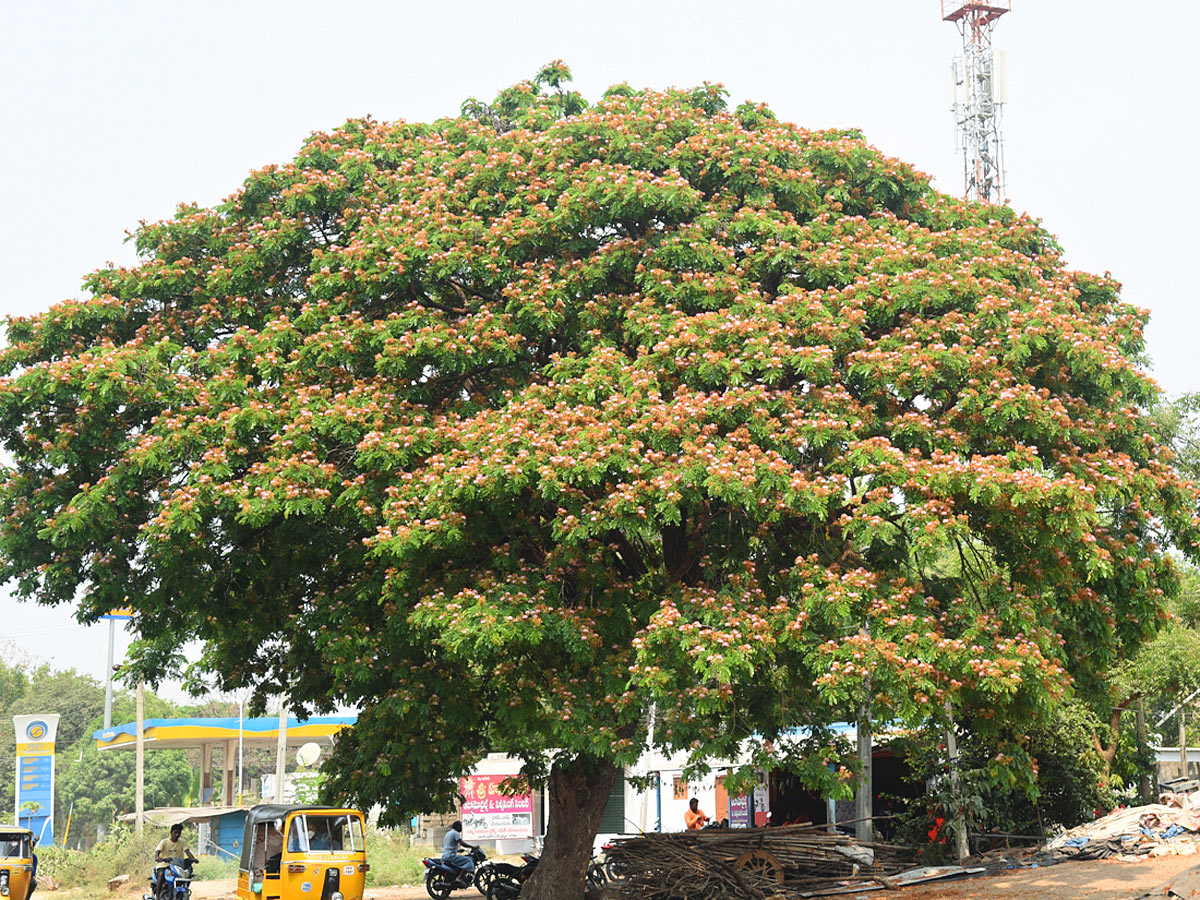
x=937, y=826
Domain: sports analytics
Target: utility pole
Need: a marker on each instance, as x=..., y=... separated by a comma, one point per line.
x=281, y=749
x=978, y=92
x=124, y=615
x=112, y=627
x=140, y=788
x=241, y=745
x=1183, y=748
x=864, y=828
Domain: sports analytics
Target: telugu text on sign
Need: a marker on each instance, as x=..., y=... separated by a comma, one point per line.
x=489, y=815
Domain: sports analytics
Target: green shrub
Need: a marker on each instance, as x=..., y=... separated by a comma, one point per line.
x=211, y=868
x=392, y=860
x=121, y=853
x=1051, y=776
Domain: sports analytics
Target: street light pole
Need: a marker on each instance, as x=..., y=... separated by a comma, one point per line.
x=140, y=787
x=241, y=724
x=281, y=748
x=112, y=627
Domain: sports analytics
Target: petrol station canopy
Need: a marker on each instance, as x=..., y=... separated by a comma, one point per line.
x=261, y=731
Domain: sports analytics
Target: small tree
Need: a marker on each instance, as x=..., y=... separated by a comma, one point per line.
x=566, y=431
x=101, y=783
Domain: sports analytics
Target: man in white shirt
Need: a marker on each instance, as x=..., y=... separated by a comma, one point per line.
x=450, y=854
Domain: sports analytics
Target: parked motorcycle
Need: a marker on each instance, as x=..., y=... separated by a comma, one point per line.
x=613, y=870
x=507, y=880
x=442, y=877
x=487, y=871
x=176, y=883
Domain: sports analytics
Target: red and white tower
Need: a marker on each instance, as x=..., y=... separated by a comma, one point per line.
x=978, y=92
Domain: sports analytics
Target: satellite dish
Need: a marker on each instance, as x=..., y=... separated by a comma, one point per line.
x=308, y=754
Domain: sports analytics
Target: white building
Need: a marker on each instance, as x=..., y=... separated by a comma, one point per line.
x=653, y=795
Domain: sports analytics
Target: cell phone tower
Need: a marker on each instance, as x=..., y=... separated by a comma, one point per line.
x=978, y=92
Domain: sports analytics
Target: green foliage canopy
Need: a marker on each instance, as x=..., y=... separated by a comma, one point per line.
x=509, y=426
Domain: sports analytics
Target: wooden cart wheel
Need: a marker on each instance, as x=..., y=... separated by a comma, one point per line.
x=762, y=865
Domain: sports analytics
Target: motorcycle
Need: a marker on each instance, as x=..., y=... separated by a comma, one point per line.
x=176, y=883
x=507, y=880
x=613, y=870
x=487, y=871
x=442, y=877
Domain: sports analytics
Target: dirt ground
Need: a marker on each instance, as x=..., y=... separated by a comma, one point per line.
x=1102, y=879
x=226, y=889
x=1097, y=879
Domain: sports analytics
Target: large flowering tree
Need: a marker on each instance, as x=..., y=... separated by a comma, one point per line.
x=564, y=430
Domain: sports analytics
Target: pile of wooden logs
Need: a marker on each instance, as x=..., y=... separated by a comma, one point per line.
x=749, y=864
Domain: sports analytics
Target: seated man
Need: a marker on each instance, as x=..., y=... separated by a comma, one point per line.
x=450, y=854
x=693, y=816
x=318, y=837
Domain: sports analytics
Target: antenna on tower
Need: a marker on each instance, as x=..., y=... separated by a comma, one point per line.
x=978, y=92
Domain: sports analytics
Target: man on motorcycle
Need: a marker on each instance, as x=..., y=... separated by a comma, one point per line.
x=167, y=850
x=450, y=846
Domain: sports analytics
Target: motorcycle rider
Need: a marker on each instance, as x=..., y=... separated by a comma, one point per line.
x=450, y=846
x=167, y=850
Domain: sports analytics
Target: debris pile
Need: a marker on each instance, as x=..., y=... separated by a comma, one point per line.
x=1185, y=885
x=752, y=864
x=1159, y=829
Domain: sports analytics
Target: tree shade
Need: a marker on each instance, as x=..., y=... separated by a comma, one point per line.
x=563, y=430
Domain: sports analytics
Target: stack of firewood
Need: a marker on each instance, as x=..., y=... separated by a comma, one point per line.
x=749, y=864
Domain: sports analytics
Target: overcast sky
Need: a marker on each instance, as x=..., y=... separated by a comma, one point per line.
x=113, y=112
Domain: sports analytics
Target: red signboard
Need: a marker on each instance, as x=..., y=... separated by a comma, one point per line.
x=488, y=814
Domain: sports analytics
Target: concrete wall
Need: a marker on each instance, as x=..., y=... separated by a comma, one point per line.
x=1168, y=763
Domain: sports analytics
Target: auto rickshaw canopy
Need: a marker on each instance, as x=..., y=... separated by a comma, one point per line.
x=272, y=812
x=15, y=842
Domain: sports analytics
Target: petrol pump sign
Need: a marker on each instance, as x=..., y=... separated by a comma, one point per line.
x=35, y=775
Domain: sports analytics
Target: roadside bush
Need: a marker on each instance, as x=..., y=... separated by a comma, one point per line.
x=213, y=868
x=1050, y=777
x=392, y=860
x=121, y=853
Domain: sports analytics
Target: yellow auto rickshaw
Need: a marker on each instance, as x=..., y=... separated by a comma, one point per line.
x=18, y=865
x=302, y=853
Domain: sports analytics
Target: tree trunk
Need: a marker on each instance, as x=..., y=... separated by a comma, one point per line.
x=1109, y=753
x=1145, y=790
x=962, y=845
x=578, y=794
